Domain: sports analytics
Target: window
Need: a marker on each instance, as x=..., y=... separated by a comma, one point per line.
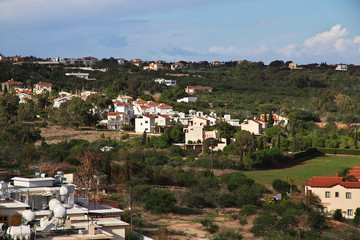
x=348, y=195
x=327, y=194
x=349, y=212
x=336, y=194
x=146, y=121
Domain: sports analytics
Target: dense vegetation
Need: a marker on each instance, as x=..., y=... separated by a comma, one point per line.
x=152, y=166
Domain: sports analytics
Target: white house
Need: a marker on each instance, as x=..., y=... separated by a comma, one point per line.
x=152, y=107
x=187, y=99
x=256, y=127
x=169, y=83
x=164, y=109
x=341, y=67
x=116, y=120
x=126, y=108
x=120, y=61
x=146, y=123
x=60, y=100
x=232, y=122
x=80, y=75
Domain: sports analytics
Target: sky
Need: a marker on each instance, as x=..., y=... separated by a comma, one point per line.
x=303, y=31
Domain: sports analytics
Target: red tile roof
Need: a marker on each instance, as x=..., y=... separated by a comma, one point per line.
x=140, y=101
x=125, y=97
x=200, y=87
x=164, y=106
x=144, y=106
x=124, y=104
x=114, y=113
x=12, y=82
x=152, y=104
x=350, y=184
x=164, y=116
x=324, y=181
x=43, y=84
x=148, y=116
x=116, y=101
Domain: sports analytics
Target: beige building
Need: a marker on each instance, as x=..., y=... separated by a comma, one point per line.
x=337, y=192
x=41, y=87
x=194, y=89
x=195, y=131
x=256, y=127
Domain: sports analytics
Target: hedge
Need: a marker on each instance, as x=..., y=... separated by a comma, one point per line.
x=306, y=153
x=339, y=151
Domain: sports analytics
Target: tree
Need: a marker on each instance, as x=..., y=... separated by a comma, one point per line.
x=357, y=216
x=74, y=113
x=338, y=215
x=244, y=144
x=89, y=165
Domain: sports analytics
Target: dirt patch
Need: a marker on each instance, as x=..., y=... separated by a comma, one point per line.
x=56, y=134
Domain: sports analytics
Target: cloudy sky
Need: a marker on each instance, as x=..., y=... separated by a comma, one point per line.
x=304, y=31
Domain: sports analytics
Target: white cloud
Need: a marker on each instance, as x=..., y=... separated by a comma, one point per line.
x=326, y=37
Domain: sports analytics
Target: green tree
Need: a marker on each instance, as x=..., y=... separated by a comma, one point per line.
x=159, y=201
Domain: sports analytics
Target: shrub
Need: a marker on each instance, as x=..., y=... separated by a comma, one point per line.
x=338, y=215
x=125, y=136
x=248, y=210
x=281, y=186
x=228, y=235
x=213, y=228
x=159, y=201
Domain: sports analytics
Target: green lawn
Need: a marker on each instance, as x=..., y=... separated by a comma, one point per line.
x=320, y=166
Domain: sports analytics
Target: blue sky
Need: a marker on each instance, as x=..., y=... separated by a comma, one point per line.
x=305, y=31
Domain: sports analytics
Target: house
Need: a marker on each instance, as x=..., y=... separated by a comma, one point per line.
x=341, y=67
x=176, y=66
x=187, y=99
x=156, y=66
x=163, y=120
x=89, y=61
x=337, y=192
x=194, y=89
x=81, y=75
x=217, y=63
x=152, y=107
x=125, y=99
x=136, y=62
x=41, y=87
x=121, y=61
x=164, y=109
x=60, y=100
x=11, y=85
x=126, y=108
x=232, y=122
x=278, y=120
x=145, y=124
x=115, y=120
x=15, y=59
x=169, y=83
x=256, y=127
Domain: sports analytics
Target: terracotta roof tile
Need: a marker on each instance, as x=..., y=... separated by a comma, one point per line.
x=140, y=101
x=43, y=84
x=164, y=106
x=324, y=181
x=148, y=116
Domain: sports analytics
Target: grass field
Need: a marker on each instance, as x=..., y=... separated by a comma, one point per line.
x=320, y=166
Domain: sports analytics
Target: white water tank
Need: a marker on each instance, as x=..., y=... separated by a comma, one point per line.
x=19, y=232
x=59, y=211
x=53, y=203
x=28, y=215
x=63, y=191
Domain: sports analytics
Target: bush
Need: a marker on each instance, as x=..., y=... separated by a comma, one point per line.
x=228, y=235
x=213, y=228
x=248, y=210
x=338, y=215
x=125, y=136
x=281, y=186
x=159, y=201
